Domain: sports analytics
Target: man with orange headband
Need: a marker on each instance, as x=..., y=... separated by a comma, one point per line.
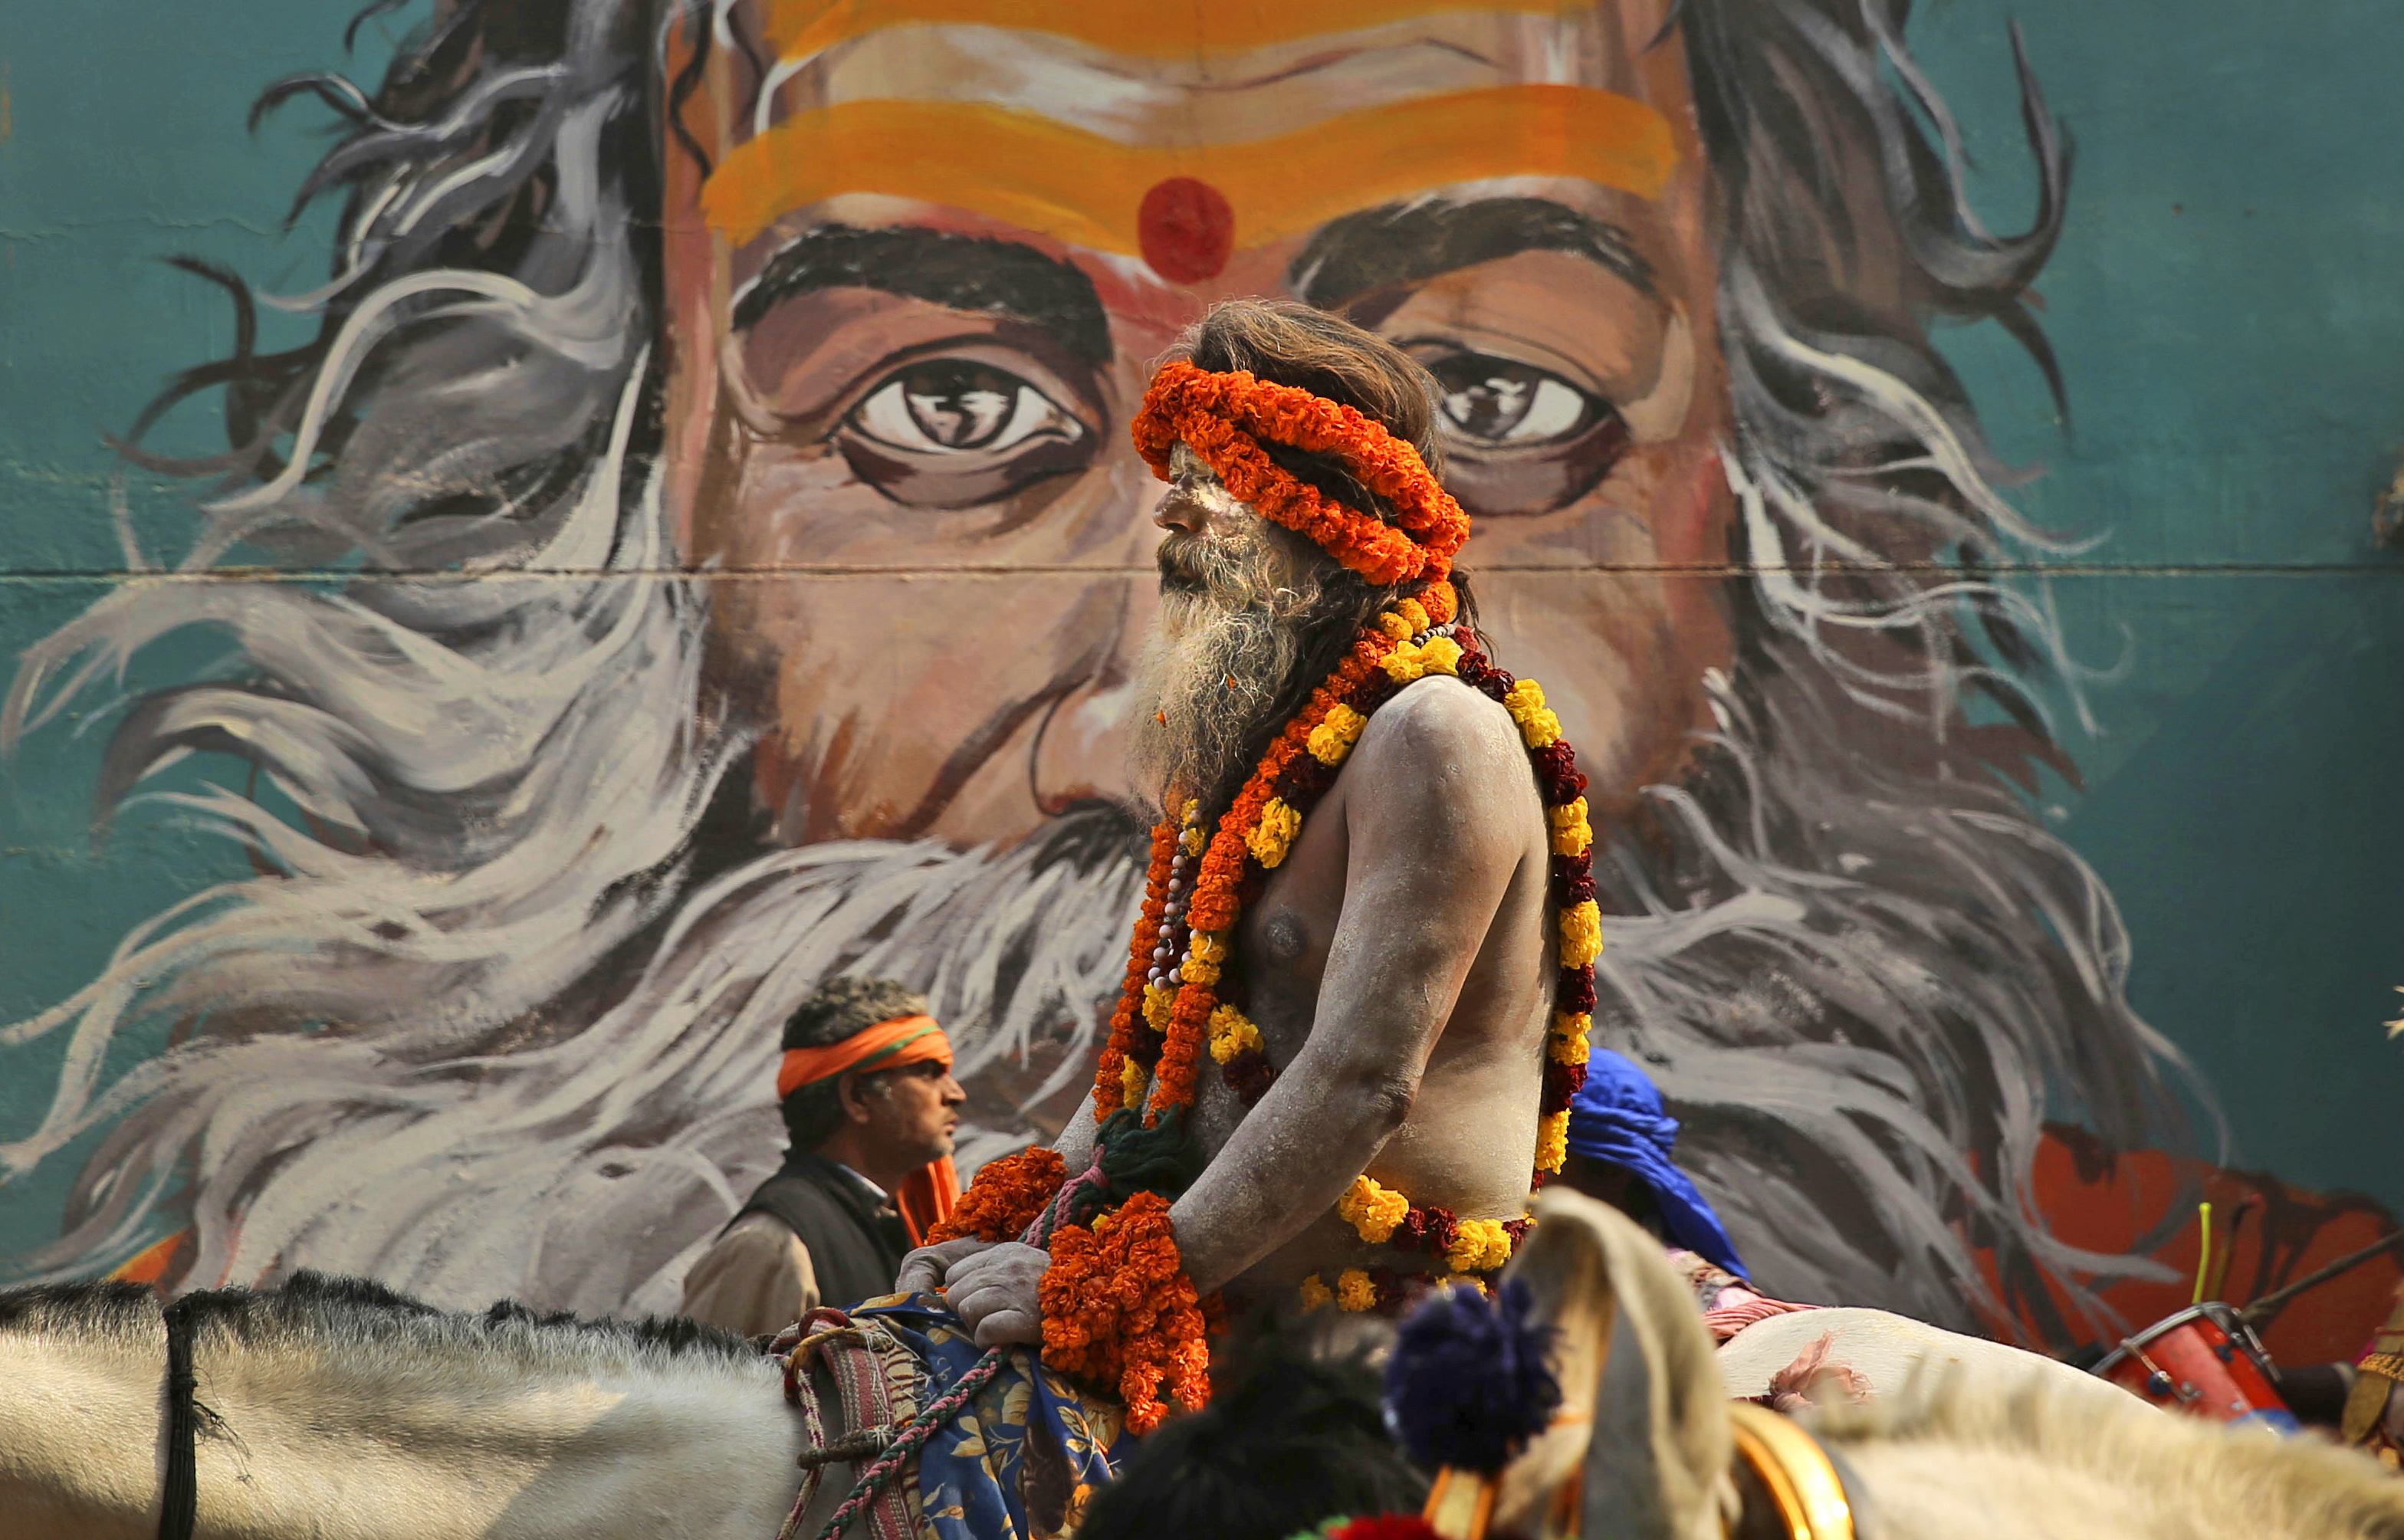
x=867, y=1096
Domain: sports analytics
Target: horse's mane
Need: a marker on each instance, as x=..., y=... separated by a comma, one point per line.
x=363, y=1316
x=2237, y=1481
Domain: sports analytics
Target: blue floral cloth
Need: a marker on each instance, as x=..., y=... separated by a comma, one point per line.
x=1020, y=1460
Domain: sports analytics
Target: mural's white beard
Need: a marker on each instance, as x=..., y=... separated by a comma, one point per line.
x=586, y=1174
x=1825, y=1040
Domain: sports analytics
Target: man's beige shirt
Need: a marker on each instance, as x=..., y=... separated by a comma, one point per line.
x=756, y=1280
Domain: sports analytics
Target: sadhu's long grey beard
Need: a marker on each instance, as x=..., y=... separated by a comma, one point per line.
x=1236, y=613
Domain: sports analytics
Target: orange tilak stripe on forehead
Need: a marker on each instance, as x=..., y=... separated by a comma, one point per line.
x=1080, y=188
x=800, y=28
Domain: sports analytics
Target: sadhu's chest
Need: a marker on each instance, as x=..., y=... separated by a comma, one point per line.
x=1285, y=934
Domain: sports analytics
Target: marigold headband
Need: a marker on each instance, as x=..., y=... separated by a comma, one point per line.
x=1225, y=417
x=887, y=1046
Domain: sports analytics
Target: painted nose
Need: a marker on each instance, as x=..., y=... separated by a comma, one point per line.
x=1081, y=754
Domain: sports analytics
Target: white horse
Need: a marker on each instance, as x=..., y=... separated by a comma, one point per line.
x=1965, y=1438
x=337, y=1411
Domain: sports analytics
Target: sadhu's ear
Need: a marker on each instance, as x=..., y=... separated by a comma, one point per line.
x=1634, y=1357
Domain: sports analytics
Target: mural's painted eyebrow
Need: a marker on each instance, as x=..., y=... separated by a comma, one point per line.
x=1409, y=243
x=958, y=271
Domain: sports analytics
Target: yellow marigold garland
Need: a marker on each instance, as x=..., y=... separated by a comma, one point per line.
x=1373, y=1212
x=1482, y=1245
x=1553, y=1141
x=1333, y=738
x=1571, y=834
x=1232, y=1033
x=1270, y=839
x=1581, y=935
x=1538, y=727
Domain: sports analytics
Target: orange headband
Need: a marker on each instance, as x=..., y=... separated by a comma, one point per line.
x=887, y=1046
x=1224, y=419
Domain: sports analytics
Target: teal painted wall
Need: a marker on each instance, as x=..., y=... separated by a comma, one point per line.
x=2229, y=315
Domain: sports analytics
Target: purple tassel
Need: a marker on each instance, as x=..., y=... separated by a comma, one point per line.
x=1470, y=1382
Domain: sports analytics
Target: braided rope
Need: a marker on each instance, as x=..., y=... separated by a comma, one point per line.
x=1039, y=1231
x=906, y=1443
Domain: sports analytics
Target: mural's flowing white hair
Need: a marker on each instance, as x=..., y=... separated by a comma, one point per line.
x=416, y=1053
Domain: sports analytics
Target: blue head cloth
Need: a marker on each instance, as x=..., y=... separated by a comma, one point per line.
x=1616, y=1116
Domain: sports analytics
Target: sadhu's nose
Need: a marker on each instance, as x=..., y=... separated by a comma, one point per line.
x=1179, y=509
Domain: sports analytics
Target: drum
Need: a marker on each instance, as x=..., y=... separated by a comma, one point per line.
x=2203, y=1362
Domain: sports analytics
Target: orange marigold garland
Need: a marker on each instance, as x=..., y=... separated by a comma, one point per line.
x=1123, y=1041
x=1005, y=1198
x=1175, y=964
x=1224, y=419
x=1118, y=1310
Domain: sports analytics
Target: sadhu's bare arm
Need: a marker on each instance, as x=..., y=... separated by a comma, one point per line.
x=1435, y=836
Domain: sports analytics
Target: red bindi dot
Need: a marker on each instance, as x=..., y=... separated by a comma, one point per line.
x=1187, y=230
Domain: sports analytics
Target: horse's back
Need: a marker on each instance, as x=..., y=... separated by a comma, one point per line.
x=1889, y=1349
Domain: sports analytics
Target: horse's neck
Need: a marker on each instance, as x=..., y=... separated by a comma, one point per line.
x=81, y=1437
x=304, y=1442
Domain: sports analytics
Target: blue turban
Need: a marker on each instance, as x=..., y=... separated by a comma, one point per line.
x=1617, y=1117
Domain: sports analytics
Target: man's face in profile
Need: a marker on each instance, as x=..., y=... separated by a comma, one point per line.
x=915, y=296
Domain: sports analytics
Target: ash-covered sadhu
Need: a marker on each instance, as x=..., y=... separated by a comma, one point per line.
x=1357, y=997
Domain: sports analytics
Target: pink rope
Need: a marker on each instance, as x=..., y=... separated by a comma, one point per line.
x=885, y=1466
x=1728, y=1319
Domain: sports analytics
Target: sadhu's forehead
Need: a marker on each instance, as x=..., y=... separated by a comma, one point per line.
x=1179, y=132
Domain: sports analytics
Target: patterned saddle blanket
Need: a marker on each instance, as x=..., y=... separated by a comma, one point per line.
x=1016, y=1463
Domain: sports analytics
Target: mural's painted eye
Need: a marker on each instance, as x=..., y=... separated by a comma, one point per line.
x=1518, y=438
x=960, y=432
x=957, y=406
x=1495, y=401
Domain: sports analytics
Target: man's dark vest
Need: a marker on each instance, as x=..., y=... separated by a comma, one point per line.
x=855, y=1246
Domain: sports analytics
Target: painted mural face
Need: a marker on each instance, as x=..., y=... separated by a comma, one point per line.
x=919, y=292
x=778, y=356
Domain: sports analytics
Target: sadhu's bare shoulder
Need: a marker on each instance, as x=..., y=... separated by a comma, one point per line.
x=1442, y=756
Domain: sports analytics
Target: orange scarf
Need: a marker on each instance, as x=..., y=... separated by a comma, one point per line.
x=926, y=1199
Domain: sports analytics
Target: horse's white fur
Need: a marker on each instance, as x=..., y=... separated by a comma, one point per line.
x=411, y=1428
x=1963, y=1442
x=1959, y=1454
x=1889, y=1351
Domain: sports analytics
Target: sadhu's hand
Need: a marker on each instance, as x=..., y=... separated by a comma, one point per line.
x=993, y=1291
x=922, y=1270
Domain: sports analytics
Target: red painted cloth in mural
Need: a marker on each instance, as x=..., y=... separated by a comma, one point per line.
x=2145, y=1201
